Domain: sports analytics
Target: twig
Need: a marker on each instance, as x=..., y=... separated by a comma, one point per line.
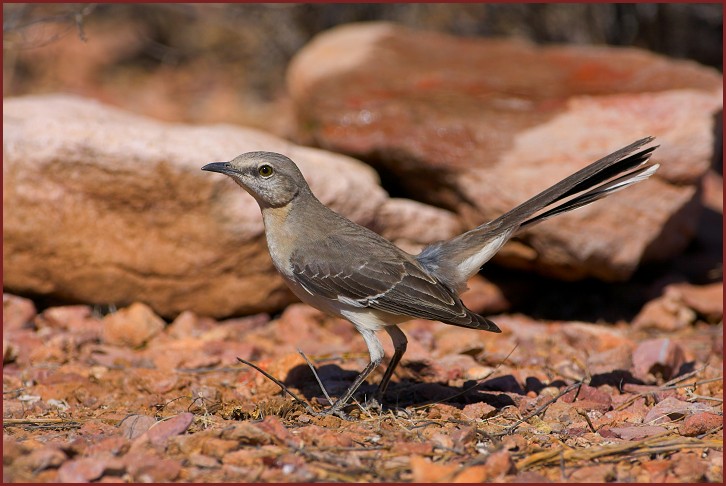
x=79, y=18
x=338, y=413
x=582, y=413
x=539, y=410
x=353, y=449
x=712, y=431
x=337, y=460
x=50, y=423
x=363, y=409
x=162, y=406
x=424, y=424
x=692, y=397
x=666, y=442
x=315, y=374
x=34, y=421
x=695, y=383
x=681, y=378
x=19, y=24
x=670, y=385
x=209, y=369
x=280, y=384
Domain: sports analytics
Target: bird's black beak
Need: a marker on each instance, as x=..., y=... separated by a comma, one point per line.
x=221, y=167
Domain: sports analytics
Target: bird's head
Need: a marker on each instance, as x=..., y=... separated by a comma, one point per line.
x=272, y=179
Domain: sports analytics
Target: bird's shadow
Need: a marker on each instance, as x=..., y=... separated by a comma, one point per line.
x=499, y=392
x=406, y=392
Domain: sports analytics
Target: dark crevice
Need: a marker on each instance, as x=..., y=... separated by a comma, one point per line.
x=419, y=184
x=592, y=300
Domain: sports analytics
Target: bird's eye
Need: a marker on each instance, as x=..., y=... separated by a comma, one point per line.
x=265, y=170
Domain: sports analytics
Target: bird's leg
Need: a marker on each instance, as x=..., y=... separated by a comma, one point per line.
x=399, y=347
x=376, y=351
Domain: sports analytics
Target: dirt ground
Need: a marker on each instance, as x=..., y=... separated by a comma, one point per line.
x=119, y=395
x=558, y=401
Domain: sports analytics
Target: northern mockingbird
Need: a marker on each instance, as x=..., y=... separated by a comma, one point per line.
x=349, y=271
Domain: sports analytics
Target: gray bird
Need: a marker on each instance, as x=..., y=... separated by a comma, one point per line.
x=349, y=271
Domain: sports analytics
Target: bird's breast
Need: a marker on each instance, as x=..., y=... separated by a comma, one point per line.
x=281, y=237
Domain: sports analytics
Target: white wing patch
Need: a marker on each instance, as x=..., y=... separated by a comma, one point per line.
x=362, y=302
x=348, y=301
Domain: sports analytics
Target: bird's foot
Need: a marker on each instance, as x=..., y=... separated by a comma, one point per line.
x=379, y=404
x=372, y=404
x=334, y=410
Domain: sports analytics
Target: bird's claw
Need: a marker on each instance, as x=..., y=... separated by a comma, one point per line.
x=373, y=403
x=333, y=410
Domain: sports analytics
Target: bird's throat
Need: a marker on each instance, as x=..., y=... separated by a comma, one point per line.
x=280, y=234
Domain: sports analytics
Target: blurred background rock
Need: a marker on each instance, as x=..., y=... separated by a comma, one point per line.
x=227, y=62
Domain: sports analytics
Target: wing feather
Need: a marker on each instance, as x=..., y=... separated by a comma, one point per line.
x=379, y=275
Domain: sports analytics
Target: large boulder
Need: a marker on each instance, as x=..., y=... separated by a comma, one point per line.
x=480, y=125
x=102, y=206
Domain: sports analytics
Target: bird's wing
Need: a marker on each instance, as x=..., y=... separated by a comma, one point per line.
x=364, y=270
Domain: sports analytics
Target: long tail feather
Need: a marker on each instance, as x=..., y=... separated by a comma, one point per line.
x=582, y=180
x=454, y=261
x=593, y=195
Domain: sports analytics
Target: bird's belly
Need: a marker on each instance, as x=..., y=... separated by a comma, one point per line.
x=320, y=303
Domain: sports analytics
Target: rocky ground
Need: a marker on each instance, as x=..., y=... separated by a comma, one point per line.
x=124, y=397
x=610, y=363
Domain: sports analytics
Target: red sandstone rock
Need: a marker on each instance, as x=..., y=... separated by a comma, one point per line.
x=480, y=125
x=111, y=207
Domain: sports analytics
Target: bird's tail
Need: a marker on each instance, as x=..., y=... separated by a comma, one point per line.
x=456, y=260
